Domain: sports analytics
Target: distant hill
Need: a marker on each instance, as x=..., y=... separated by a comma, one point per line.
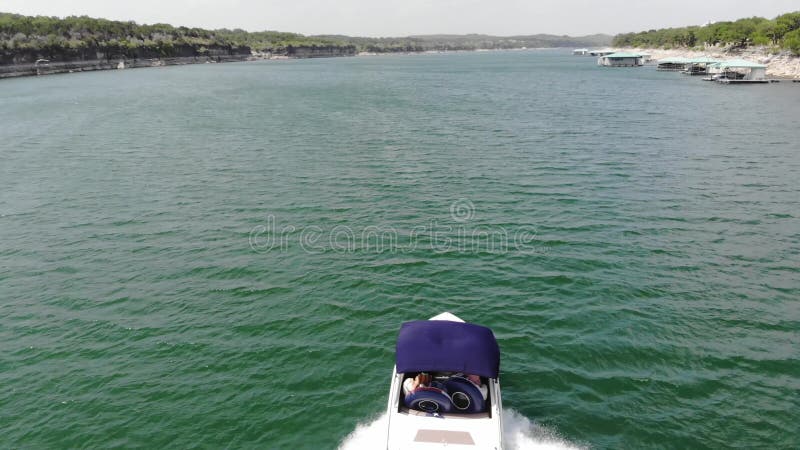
x=446, y=42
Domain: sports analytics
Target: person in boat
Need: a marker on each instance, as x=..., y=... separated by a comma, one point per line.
x=421, y=380
x=425, y=380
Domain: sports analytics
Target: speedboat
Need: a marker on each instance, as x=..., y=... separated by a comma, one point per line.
x=459, y=406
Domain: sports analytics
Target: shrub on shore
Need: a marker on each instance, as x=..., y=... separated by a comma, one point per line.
x=792, y=41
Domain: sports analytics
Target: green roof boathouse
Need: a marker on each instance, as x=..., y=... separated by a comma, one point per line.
x=621, y=60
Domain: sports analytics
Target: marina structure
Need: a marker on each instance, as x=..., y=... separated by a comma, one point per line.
x=601, y=52
x=699, y=66
x=735, y=71
x=740, y=71
x=621, y=60
x=676, y=64
x=580, y=52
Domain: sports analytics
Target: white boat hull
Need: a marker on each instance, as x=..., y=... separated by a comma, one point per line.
x=410, y=429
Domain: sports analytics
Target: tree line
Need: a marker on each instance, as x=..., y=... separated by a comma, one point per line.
x=75, y=35
x=782, y=32
x=82, y=37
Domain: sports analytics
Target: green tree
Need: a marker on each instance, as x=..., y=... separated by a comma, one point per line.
x=791, y=40
x=767, y=32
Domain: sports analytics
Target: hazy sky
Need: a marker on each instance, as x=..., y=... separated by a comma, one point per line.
x=401, y=18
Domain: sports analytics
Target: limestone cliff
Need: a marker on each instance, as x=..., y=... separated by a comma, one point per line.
x=315, y=51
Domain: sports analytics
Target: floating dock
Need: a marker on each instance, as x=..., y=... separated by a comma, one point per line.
x=730, y=81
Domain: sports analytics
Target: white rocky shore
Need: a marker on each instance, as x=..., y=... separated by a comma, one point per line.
x=781, y=65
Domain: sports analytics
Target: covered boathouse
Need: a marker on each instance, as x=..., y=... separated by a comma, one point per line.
x=601, y=52
x=677, y=64
x=621, y=60
x=740, y=71
x=699, y=66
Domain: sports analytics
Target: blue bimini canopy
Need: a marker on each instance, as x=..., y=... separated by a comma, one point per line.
x=444, y=346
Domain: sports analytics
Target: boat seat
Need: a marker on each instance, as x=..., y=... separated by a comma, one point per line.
x=429, y=400
x=466, y=397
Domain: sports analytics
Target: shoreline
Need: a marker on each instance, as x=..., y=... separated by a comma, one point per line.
x=782, y=65
x=55, y=68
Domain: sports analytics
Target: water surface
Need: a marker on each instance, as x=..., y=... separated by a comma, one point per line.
x=642, y=279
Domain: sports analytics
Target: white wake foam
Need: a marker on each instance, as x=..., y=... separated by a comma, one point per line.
x=519, y=432
x=369, y=435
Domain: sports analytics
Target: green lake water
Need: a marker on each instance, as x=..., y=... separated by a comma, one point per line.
x=220, y=256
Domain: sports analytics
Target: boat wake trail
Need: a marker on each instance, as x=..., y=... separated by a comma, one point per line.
x=367, y=435
x=519, y=433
